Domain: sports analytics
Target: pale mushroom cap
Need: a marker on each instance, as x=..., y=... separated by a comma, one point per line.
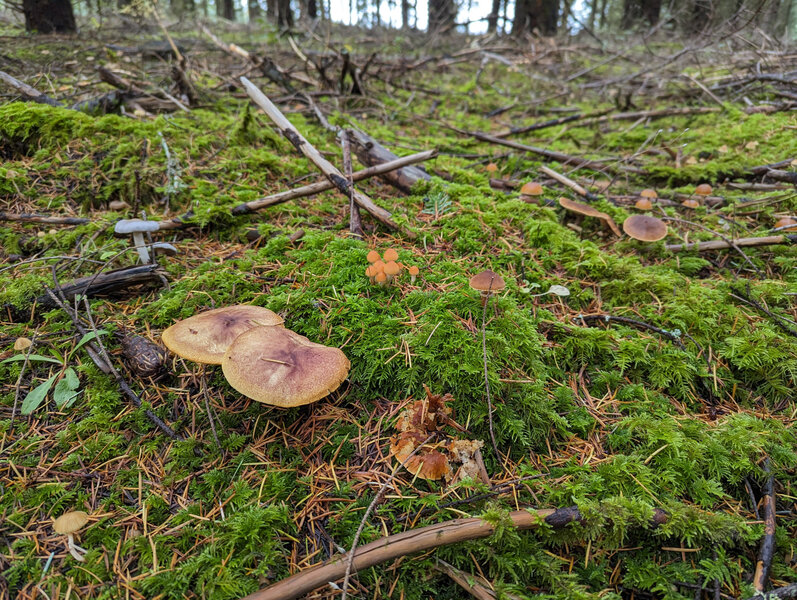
x=390, y=255
x=128, y=226
x=532, y=188
x=392, y=268
x=372, y=256
x=690, y=203
x=645, y=228
x=277, y=366
x=70, y=522
x=204, y=338
x=648, y=193
x=643, y=204
x=703, y=189
x=487, y=281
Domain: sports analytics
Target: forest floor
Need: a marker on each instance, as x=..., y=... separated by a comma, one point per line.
x=658, y=378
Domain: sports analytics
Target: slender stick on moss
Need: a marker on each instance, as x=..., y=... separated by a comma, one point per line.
x=419, y=540
x=31, y=218
x=764, y=564
x=355, y=224
x=486, y=378
x=368, y=511
x=327, y=168
x=569, y=183
x=770, y=240
x=30, y=93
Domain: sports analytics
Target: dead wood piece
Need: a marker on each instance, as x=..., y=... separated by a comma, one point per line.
x=767, y=551
x=46, y=219
x=371, y=153
x=355, y=223
x=101, y=105
x=326, y=167
x=29, y=92
x=569, y=183
x=566, y=159
x=783, y=176
x=110, y=283
x=770, y=240
x=784, y=593
x=550, y=123
x=418, y=540
x=473, y=584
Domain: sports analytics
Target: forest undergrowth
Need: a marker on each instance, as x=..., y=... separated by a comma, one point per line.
x=657, y=379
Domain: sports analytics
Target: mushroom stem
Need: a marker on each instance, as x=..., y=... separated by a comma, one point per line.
x=141, y=247
x=412, y=278
x=484, y=296
x=74, y=550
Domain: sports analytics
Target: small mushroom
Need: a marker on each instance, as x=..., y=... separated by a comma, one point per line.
x=643, y=204
x=492, y=168
x=391, y=270
x=276, y=366
x=205, y=337
x=22, y=343
x=68, y=524
x=381, y=278
x=390, y=255
x=164, y=248
x=649, y=193
x=703, y=189
x=785, y=223
x=585, y=209
x=531, y=191
x=137, y=227
x=372, y=256
x=645, y=228
x=487, y=282
x=413, y=271
x=690, y=203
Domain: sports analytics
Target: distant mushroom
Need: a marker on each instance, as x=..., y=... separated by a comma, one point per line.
x=786, y=223
x=137, y=227
x=643, y=204
x=649, y=193
x=491, y=168
x=690, y=203
x=589, y=211
x=279, y=367
x=164, y=248
x=390, y=255
x=68, y=524
x=413, y=271
x=487, y=282
x=645, y=228
x=531, y=191
x=205, y=337
x=703, y=189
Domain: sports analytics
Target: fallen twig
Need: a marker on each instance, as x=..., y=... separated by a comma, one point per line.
x=29, y=92
x=419, y=540
x=569, y=183
x=46, y=219
x=355, y=223
x=764, y=564
x=676, y=338
x=770, y=240
x=327, y=168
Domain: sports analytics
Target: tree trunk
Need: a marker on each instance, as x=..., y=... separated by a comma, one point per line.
x=635, y=10
x=284, y=14
x=405, y=14
x=225, y=9
x=492, y=19
x=254, y=10
x=540, y=15
x=312, y=10
x=442, y=14
x=49, y=16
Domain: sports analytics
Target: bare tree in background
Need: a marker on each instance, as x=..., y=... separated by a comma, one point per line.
x=49, y=16
x=539, y=15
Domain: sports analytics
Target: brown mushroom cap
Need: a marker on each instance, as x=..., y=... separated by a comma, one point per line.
x=491, y=167
x=487, y=281
x=203, y=338
x=372, y=256
x=643, y=204
x=70, y=522
x=392, y=268
x=589, y=211
x=413, y=270
x=703, y=189
x=276, y=366
x=648, y=193
x=429, y=465
x=390, y=255
x=645, y=228
x=690, y=203
x=532, y=188
x=784, y=222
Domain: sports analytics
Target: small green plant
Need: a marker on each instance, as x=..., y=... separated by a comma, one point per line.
x=436, y=203
x=66, y=381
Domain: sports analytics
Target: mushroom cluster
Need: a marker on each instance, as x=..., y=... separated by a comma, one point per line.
x=386, y=268
x=441, y=457
x=646, y=198
x=259, y=357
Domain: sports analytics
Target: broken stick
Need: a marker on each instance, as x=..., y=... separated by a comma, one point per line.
x=327, y=168
x=770, y=240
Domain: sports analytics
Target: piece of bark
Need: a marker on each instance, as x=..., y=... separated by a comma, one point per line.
x=767, y=551
x=770, y=240
x=370, y=152
x=327, y=168
x=109, y=283
x=45, y=219
x=29, y=92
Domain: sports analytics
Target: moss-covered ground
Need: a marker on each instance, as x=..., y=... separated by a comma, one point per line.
x=613, y=418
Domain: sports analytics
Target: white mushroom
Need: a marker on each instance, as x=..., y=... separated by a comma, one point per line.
x=137, y=227
x=68, y=524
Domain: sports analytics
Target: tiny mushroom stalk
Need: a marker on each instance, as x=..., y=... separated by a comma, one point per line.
x=68, y=524
x=137, y=227
x=413, y=271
